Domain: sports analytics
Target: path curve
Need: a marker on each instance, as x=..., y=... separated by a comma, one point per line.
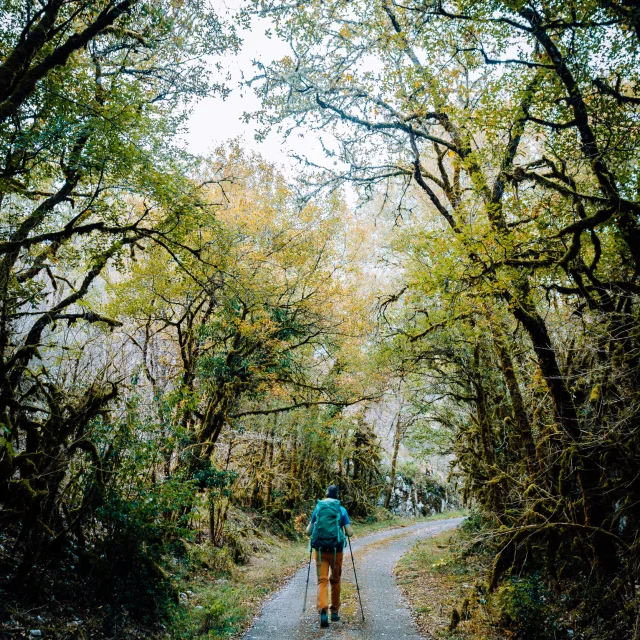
x=386, y=613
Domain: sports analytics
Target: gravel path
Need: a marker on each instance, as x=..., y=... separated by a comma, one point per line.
x=386, y=614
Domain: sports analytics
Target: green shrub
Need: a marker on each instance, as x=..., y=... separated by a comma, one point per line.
x=216, y=559
x=135, y=533
x=219, y=612
x=524, y=605
x=223, y=612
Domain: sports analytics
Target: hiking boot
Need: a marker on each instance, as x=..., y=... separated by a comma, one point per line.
x=335, y=616
x=324, y=620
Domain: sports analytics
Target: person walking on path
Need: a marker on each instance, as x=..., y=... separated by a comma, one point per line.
x=329, y=524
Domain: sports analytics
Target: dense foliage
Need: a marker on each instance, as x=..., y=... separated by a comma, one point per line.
x=178, y=337
x=503, y=136
x=183, y=338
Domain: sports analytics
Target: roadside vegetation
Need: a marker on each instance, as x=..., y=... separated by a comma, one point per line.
x=447, y=592
x=193, y=347
x=446, y=581
x=221, y=598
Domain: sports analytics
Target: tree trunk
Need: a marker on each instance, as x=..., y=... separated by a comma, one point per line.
x=397, y=436
x=525, y=435
x=269, y=487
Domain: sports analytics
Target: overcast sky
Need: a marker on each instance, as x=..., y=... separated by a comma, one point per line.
x=214, y=120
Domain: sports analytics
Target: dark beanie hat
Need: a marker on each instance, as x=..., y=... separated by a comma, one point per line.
x=332, y=491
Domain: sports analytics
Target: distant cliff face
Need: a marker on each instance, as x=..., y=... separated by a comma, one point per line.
x=422, y=497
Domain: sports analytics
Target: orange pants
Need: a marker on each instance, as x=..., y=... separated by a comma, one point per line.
x=329, y=562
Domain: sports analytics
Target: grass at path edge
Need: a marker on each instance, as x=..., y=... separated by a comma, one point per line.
x=436, y=581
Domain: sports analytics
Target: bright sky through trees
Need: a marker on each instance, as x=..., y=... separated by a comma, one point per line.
x=216, y=119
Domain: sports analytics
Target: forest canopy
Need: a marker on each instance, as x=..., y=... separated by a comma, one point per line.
x=504, y=136
x=179, y=335
x=185, y=337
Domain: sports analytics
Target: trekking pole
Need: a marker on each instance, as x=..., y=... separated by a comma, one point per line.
x=304, y=606
x=356, y=577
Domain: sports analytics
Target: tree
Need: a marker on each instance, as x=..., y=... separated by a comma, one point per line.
x=91, y=96
x=265, y=319
x=514, y=126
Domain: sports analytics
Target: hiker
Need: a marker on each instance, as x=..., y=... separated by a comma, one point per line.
x=329, y=524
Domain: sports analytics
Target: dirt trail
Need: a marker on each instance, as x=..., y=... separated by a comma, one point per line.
x=386, y=613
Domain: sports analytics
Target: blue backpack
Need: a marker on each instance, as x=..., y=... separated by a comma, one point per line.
x=327, y=533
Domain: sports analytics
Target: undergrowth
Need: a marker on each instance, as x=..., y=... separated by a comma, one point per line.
x=447, y=578
x=219, y=598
